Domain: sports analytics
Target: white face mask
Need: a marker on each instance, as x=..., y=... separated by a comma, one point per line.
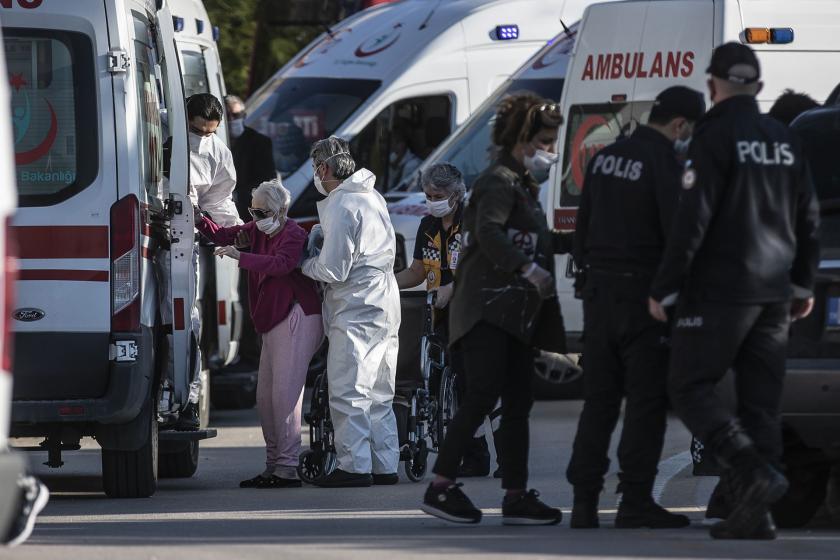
x=198, y=143
x=237, y=127
x=268, y=225
x=439, y=208
x=319, y=184
x=540, y=161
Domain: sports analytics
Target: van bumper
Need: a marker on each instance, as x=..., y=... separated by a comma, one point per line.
x=811, y=401
x=127, y=390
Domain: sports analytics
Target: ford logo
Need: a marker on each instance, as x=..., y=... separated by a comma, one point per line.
x=28, y=314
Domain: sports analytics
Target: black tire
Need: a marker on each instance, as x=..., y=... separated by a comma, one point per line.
x=416, y=466
x=447, y=405
x=234, y=399
x=178, y=459
x=555, y=383
x=314, y=465
x=132, y=474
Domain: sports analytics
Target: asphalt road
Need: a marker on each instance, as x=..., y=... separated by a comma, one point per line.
x=210, y=517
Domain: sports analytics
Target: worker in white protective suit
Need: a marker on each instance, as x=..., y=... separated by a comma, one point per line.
x=361, y=316
x=212, y=181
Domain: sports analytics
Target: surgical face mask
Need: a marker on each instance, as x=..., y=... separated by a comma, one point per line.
x=237, y=127
x=439, y=208
x=319, y=186
x=540, y=161
x=268, y=225
x=198, y=142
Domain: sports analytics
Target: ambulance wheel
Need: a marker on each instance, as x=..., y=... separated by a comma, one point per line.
x=178, y=459
x=417, y=464
x=133, y=474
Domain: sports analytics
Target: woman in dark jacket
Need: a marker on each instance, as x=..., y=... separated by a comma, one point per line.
x=503, y=293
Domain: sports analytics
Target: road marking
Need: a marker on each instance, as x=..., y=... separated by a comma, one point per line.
x=668, y=469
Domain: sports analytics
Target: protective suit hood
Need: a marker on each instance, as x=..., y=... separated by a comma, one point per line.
x=361, y=181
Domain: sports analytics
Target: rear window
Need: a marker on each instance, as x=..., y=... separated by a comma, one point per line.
x=590, y=128
x=54, y=116
x=195, y=73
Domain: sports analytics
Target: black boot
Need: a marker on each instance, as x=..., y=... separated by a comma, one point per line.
x=476, y=462
x=585, y=509
x=720, y=502
x=638, y=513
x=765, y=530
x=756, y=485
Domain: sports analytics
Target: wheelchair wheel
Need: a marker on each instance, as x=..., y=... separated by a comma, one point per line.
x=314, y=465
x=417, y=464
x=447, y=404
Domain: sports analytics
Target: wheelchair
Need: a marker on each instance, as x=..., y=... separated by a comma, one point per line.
x=423, y=407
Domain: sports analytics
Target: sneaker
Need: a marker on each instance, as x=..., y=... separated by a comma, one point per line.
x=450, y=504
x=33, y=499
x=647, y=514
x=527, y=509
x=585, y=512
x=765, y=530
x=343, y=479
x=385, y=479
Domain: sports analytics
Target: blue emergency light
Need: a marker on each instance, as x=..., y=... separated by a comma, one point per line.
x=216, y=33
x=781, y=35
x=199, y=26
x=507, y=32
x=178, y=23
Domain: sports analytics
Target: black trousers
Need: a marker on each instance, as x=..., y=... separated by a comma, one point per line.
x=625, y=357
x=711, y=338
x=496, y=364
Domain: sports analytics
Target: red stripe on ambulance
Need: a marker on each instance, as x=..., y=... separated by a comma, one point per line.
x=62, y=242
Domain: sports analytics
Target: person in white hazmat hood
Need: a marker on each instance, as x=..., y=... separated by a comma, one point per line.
x=361, y=315
x=212, y=181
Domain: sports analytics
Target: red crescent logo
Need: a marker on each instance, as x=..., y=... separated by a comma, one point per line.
x=361, y=52
x=39, y=151
x=579, y=157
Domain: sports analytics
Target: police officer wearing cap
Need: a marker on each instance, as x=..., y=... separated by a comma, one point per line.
x=629, y=197
x=740, y=263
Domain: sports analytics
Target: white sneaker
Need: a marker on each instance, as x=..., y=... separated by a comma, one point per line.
x=33, y=500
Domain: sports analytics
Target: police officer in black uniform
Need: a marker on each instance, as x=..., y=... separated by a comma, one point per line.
x=629, y=197
x=742, y=256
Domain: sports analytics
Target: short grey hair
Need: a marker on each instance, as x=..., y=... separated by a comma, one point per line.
x=335, y=152
x=234, y=100
x=276, y=196
x=446, y=177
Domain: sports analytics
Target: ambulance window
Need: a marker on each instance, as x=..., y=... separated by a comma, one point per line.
x=589, y=128
x=195, y=73
x=397, y=141
x=149, y=128
x=55, y=130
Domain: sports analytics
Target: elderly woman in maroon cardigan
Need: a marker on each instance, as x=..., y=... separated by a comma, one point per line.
x=286, y=310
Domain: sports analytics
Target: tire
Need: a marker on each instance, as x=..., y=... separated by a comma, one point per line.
x=447, y=405
x=235, y=399
x=314, y=465
x=557, y=376
x=178, y=459
x=133, y=474
x=416, y=466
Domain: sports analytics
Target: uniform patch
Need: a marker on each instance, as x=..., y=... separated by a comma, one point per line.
x=688, y=179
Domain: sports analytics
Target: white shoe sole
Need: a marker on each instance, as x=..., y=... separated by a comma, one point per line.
x=434, y=512
x=528, y=521
x=38, y=506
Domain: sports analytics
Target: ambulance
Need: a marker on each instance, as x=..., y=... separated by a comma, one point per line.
x=628, y=52
x=469, y=148
x=417, y=66
x=201, y=68
x=12, y=465
x=103, y=345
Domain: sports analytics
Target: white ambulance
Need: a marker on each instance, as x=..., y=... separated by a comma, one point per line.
x=12, y=464
x=201, y=68
x=104, y=232
x=417, y=66
x=628, y=52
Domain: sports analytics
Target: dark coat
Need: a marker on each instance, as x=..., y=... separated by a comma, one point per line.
x=505, y=228
x=254, y=163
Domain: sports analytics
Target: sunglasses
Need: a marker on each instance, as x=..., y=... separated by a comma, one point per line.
x=260, y=213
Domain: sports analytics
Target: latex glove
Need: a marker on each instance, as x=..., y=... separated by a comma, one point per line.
x=540, y=278
x=231, y=252
x=444, y=295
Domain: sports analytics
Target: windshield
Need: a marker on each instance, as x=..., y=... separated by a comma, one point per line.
x=53, y=112
x=295, y=112
x=470, y=149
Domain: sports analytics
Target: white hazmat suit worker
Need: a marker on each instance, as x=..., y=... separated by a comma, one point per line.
x=361, y=316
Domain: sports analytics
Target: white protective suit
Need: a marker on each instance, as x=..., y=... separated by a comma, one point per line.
x=362, y=320
x=213, y=178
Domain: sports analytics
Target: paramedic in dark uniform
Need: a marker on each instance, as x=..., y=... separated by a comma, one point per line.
x=742, y=258
x=504, y=300
x=629, y=197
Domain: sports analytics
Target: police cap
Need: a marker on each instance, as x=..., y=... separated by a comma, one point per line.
x=736, y=63
x=679, y=101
